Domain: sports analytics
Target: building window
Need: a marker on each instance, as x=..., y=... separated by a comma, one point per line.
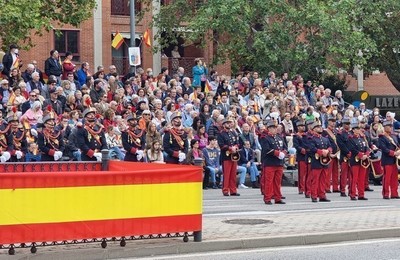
x=121, y=7
x=67, y=40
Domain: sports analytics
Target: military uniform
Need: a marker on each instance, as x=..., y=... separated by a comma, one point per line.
x=345, y=154
x=5, y=141
x=133, y=141
x=319, y=164
x=359, y=148
x=227, y=141
x=306, y=141
x=19, y=145
x=390, y=183
x=332, y=178
x=298, y=144
x=273, y=152
x=90, y=138
x=50, y=142
x=175, y=142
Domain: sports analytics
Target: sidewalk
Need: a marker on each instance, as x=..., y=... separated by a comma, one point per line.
x=299, y=222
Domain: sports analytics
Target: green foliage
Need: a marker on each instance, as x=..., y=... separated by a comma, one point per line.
x=18, y=19
x=299, y=36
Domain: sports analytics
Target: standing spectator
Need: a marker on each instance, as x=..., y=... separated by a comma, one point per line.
x=11, y=60
x=68, y=66
x=199, y=72
x=83, y=73
x=52, y=65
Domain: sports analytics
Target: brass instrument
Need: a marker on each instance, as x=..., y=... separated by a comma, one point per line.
x=234, y=156
x=364, y=163
x=397, y=149
x=323, y=160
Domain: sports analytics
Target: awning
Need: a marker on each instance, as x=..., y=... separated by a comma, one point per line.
x=127, y=35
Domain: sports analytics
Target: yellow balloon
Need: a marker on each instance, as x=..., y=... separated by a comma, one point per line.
x=364, y=95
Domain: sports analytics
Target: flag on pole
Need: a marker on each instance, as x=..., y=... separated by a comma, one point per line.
x=146, y=38
x=117, y=41
x=207, y=87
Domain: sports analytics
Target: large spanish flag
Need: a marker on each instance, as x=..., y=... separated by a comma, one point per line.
x=143, y=199
x=146, y=38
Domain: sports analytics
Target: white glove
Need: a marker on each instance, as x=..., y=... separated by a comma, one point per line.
x=18, y=154
x=281, y=155
x=181, y=157
x=98, y=156
x=57, y=155
x=139, y=155
x=34, y=132
x=5, y=157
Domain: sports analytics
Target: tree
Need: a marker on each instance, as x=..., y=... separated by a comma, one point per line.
x=18, y=19
x=307, y=37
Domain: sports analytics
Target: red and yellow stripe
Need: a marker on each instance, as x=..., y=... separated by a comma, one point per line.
x=77, y=205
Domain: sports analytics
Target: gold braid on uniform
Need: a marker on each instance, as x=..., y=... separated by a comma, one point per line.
x=177, y=135
x=134, y=137
x=94, y=133
x=3, y=141
x=51, y=137
x=17, y=140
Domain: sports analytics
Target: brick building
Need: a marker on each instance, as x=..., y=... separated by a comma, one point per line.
x=91, y=42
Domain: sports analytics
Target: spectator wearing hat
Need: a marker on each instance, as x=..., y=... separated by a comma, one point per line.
x=228, y=142
x=390, y=152
x=175, y=141
x=298, y=144
x=345, y=154
x=53, y=101
x=359, y=162
x=50, y=141
x=133, y=141
x=90, y=137
x=273, y=153
x=11, y=60
x=333, y=170
x=321, y=148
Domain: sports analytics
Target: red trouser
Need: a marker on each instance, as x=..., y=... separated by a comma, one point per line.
x=229, y=169
x=333, y=175
x=307, y=186
x=302, y=172
x=357, y=181
x=390, y=182
x=262, y=180
x=344, y=175
x=272, y=183
x=318, y=183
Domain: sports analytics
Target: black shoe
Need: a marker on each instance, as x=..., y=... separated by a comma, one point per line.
x=214, y=187
x=268, y=202
x=324, y=200
x=368, y=189
x=362, y=198
x=300, y=192
x=328, y=191
x=343, y=194
x=336, y=191
x=307, y=196
x=280, y=202
x=255, y=185
x=283, y=197
x=314, y=200
x=235, y=194
x=395, y=197
x=386, y=198
x=353, y=198
x=226, y=194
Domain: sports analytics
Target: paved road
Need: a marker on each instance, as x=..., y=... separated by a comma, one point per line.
x=245, y=222
x=384, y=249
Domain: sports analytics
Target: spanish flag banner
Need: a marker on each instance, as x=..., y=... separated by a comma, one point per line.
x=117, y=41
x=146, y=38
x=129, y=199
x=207, y=87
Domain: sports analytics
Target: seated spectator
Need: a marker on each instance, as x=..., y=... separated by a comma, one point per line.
x=154, y=154
x=114, y=144
x=247, y=156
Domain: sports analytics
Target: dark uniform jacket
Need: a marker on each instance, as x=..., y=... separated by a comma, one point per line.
x=388, y=146
x=91, y=141
x=133, y=141
x=175, y=141
x=227, y=139
x=358, y=147
x=271, y=146
x=316, y=145
x=299, y=145
x=343, y=143
x=50, y=143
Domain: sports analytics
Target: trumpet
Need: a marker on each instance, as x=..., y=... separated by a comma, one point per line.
x=234, y=156
x=323, y=160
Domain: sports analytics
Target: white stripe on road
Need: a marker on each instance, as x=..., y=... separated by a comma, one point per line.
x=246, y=213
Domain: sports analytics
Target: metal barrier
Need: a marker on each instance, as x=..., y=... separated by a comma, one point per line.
x=82, y=204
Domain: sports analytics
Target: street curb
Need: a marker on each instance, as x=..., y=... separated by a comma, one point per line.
x=211, y=245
